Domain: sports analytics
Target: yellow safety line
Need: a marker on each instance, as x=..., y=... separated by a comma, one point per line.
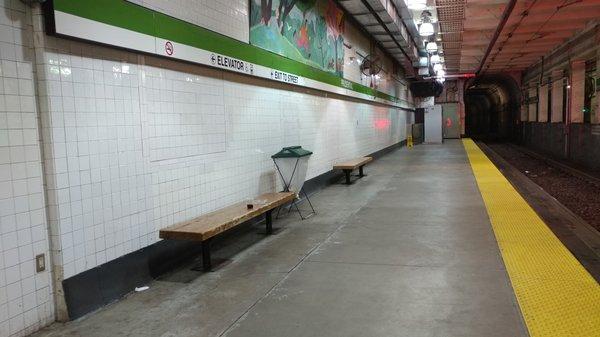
x=557, y=296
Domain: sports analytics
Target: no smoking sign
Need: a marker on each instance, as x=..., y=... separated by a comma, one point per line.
x=169, y=48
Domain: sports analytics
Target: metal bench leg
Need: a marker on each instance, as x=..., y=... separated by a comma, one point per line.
x=347, y=173
x=206, y=263
x=360, y=172
x=269, y=222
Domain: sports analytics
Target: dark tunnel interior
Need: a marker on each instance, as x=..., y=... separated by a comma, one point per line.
x=492, y=108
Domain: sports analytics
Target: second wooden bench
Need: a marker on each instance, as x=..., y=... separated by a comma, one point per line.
x=351, y=165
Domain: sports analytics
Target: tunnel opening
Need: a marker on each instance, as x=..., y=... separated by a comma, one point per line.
x=492, y=108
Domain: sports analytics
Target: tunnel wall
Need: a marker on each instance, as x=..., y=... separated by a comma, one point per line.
x=546, y=138
x=492, y=106
x=568, y=64
x=550, y=138
x=584, y=145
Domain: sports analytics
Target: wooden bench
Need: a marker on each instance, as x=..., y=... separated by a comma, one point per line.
x=351, y=165
x=205, y=227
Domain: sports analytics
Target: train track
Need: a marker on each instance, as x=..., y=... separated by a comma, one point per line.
x=551, y=162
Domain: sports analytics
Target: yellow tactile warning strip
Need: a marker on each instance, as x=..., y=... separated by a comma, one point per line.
x=557, y=296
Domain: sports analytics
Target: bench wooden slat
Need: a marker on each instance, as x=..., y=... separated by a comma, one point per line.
x=353, y=163
x=211, y=224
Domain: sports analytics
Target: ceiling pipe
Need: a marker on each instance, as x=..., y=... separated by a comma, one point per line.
x=507, y=11
x=408, y=60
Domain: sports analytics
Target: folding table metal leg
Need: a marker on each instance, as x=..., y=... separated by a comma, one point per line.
x=360, y=172
x=309, y=203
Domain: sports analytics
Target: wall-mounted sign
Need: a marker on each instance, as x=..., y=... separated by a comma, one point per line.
x=152, y=32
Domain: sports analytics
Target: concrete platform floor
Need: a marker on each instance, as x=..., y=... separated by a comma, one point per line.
x=406, y=251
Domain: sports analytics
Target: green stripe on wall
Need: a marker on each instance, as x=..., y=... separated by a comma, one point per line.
x=126, y=15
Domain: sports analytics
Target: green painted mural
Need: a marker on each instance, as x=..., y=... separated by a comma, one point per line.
x=309, y=31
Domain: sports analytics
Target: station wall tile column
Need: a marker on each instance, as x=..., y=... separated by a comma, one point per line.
x=543, y=104
x=577, y=91
x=557, y=96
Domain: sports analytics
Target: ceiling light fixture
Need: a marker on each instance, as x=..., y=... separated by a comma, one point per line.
x=435, y=59
x=431, y=47
x=424, y=71
x=437, y=67
x=426, y=28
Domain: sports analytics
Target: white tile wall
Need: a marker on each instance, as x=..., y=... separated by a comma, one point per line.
x=25, y=296
x=132, y=144
x=108, y=194
x=175, y=129
x=227, y=17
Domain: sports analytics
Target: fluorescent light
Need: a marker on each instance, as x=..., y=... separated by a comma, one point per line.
x=435, y=59
x=426, y=29
x=424, y=71
x=416, y=4
x=437, y=67
x=431, y=47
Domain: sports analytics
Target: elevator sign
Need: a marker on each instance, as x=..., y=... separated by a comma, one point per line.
x=230, y=63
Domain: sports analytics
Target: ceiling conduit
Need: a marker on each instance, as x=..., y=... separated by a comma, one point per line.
x=507, y=12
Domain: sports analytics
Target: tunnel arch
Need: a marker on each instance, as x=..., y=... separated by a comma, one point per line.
x=492, y=107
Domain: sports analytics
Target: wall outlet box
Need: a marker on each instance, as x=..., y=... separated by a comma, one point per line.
x=40, y=263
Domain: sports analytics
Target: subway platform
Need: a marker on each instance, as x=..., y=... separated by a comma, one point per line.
x=433, y=242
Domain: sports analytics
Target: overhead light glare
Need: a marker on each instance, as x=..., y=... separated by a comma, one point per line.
x=437, y=67
x=426, y=29
x=416, y=4
x=431, y=47
x=435, y=59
